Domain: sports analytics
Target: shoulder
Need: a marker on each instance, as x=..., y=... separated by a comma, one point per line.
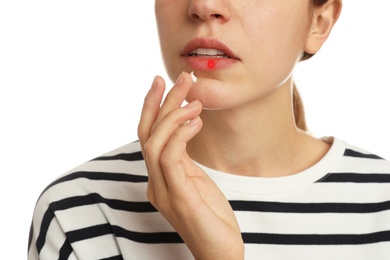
x=365, y=161
x=104, y=174
x=359, y=165
x=122, y=165
x=79, y=197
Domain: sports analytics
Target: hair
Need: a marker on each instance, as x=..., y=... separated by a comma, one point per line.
x=299, y=112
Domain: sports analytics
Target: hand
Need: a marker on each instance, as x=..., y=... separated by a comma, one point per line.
x=180, y=190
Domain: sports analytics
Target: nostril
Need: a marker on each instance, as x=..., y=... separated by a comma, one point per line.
x=195, y=16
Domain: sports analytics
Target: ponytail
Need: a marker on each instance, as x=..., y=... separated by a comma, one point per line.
x=299, y=112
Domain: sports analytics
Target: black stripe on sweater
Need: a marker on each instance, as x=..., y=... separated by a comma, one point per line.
x=106, y=229
x=65, y=250
x=136, y=156
x=117, y=257
x=283, y=207
x=99, y=176
x=353, y=153
x=346, y=177
x=95, y=198
x=309, y=239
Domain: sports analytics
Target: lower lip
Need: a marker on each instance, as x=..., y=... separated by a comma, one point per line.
x=209, y=64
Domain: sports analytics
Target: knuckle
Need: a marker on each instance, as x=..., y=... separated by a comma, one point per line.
x=178, y=134
x=148, y=148
x=176, y=117
x=179, y=138
x=165, y=160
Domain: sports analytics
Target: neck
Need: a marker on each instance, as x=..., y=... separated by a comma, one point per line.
x=258, y=139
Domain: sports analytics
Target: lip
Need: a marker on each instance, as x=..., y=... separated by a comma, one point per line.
x=208, y=63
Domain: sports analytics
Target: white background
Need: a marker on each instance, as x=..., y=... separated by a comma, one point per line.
x=73, y=75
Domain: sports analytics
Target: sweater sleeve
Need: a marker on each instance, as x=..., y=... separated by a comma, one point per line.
x=47, y=239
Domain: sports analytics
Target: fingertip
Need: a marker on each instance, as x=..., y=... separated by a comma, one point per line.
x=184, y=77
x=195, y=121
x=181, y=78
x=156, y=91
x=158, y=83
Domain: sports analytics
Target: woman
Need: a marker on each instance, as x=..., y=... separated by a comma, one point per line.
x=233, y=174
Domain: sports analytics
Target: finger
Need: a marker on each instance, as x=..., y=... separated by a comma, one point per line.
x=150, y=109
x=150, y=112
x=174, y=154
x=175, y=97
x=167, y=127
x=148, y=116
x=158, y=141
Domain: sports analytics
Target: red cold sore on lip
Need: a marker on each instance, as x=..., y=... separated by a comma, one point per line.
x=207, y=64
x=210, y=64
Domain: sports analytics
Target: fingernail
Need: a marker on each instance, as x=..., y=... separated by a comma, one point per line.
x=194, y=121
x=180, y=79
x=192, y=104
x=154, y=83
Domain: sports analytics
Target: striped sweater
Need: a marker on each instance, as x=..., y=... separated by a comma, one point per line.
x=339, y=208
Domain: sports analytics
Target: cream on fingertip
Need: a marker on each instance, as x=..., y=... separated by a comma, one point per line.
x=194, y=78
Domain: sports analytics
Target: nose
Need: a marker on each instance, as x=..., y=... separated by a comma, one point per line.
x=209, y=10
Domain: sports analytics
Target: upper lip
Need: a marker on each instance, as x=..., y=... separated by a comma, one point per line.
x=204, y=43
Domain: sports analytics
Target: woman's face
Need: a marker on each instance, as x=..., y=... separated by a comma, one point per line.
x=239, y=50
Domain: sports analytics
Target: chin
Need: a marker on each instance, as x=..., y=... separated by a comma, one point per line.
x=213, y=95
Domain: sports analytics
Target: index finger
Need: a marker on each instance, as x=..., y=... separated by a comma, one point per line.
x=150, y=109
x=175, y=97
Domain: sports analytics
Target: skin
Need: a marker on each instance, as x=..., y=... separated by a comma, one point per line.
x=217, y=127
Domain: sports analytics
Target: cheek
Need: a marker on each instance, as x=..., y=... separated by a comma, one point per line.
x=171, y=17
x=164, y=18
x=169, y=24
x=277, y=39
x=278, y=27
